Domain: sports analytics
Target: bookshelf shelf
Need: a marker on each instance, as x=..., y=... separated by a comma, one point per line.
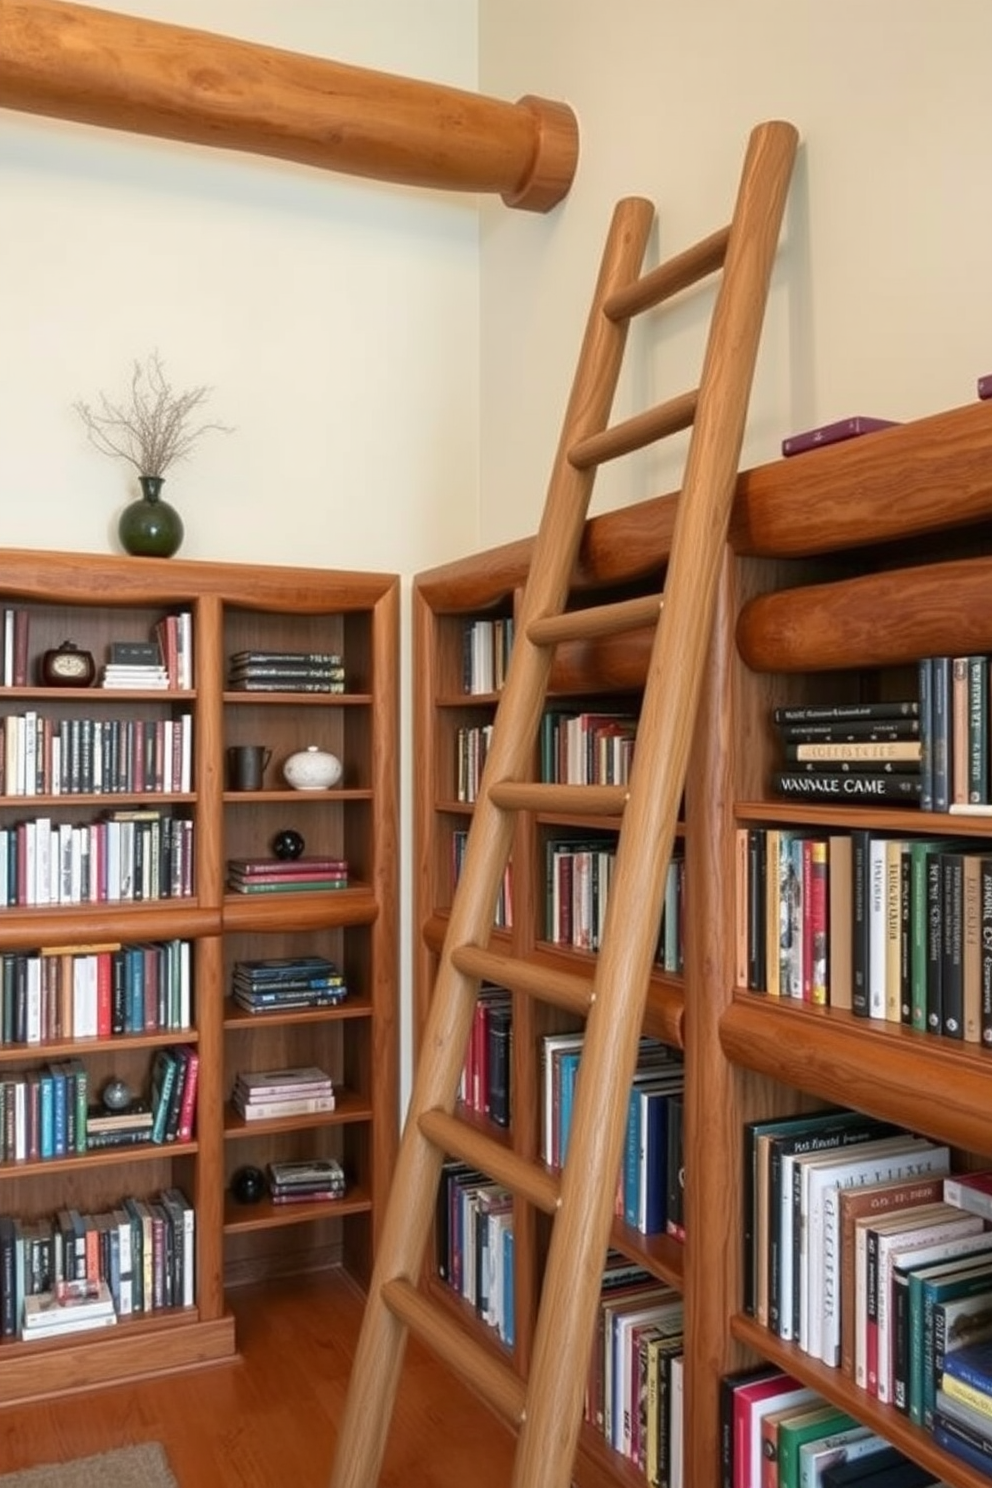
x=231, y=608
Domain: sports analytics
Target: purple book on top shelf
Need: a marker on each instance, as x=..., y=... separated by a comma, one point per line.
x=848, y=428
x=985, y=386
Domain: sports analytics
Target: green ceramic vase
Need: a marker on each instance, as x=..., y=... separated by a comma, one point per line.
x=150, y=527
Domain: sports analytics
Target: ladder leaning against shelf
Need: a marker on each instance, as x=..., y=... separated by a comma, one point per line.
x=547, y=1408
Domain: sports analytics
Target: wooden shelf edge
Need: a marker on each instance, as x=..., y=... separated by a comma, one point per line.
x=933, y=1085
x=134, y=1351
x=841, y=1389
x=241, y=1218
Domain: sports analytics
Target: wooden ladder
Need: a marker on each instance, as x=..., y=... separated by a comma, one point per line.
x=546, y=1409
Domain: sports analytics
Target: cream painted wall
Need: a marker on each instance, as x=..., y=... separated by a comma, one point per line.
x=336, y=319
x=880, y=301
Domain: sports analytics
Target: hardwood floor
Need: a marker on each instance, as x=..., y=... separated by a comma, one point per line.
x=267, y=1420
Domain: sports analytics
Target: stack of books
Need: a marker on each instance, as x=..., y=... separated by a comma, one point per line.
x=72, y=1307
x=287, y=982
x=286, y=671
x=306, y=1182
x=135, y=664
x=261, y=1095
x=850, y=752
x=282, y=875
x=123, y=1128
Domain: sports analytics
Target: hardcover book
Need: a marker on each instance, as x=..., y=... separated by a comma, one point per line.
x=835, y=433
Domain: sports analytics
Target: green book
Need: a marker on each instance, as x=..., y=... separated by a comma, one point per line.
x=812, y=1425
x=297, y=887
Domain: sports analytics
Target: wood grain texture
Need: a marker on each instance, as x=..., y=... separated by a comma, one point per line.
x=122, y=72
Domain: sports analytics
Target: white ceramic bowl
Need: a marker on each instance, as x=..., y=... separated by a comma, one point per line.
x=313, y=769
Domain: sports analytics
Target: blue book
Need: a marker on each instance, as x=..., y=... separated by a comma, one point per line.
x=954, y=1439
x=46, y=1112
x=59, y=1111
x=509, y=1330
x=972, y=1364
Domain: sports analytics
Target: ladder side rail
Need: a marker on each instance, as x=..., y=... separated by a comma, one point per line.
x=549, y=1433
x=409, y=1213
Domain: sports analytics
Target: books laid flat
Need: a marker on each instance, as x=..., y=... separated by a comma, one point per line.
x=68, y=1308
x=261, y=1095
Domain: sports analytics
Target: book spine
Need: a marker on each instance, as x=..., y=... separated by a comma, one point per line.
x=842, y=786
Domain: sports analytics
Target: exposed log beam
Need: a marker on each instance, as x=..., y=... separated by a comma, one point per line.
x=121, y=72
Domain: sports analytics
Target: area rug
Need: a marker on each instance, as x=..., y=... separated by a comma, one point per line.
x=145, y=1466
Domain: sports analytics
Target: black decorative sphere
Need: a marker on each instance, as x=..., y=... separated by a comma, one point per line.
x=248, y=1185
x=288, y=844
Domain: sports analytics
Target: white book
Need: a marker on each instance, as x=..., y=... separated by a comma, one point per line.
x=819, y=1228
x=676, y=1474
x=33, y=1018
x=8, y=648
x=877, y=935
x=29, y=726
x=43, y=860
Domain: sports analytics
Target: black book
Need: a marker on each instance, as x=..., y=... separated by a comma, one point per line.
x=951, y=945
x=849, y=786
x=829, y=712
x=860, y=869
x=873, y=730
x=757, y=888
x=857, y=1469
x=499, y=1041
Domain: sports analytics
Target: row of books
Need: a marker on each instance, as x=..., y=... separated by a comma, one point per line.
x=864, y=1250
x=286, y=671
x=143, y=1251
x=893, y=928
x=95, y=991
x=773, y=1429
x=41, y=756
x=649, y=1185
x=174, y=634
x=485, y=1080
x=474, y=1244
x=286, y=875
x=931, y=751
x=44, y=1113
x=587, y=748
x=126, y=855
x=486, y=646
x=174, y=1083
x=503, y=908
x=298, y=1090
x=471, y=751
x=634, y=1385
x=278, y=983
x=578, y=876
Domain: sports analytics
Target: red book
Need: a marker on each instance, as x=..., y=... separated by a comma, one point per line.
x=187, y=1110
x=20, y=648
x=104, y=979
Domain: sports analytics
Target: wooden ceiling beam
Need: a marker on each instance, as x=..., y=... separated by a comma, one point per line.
x=117, y=71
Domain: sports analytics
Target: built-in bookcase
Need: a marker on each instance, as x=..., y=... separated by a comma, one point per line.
x=93, y=602
x=905, y=513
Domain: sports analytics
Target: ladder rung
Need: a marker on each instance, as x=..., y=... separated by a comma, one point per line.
x=581, y=800
x=635, y=433
x=563, y=989
x=495, y=1381
x=532, y=1182
x=675, y=274
x=597, y=620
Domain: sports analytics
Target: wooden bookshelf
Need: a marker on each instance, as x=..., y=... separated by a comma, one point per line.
x=890, y=535
x=94, y=600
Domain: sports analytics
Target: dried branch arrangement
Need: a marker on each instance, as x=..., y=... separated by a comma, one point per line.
x=153, y=430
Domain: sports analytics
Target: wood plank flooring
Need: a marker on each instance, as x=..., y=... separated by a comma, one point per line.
x=268, y=1419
